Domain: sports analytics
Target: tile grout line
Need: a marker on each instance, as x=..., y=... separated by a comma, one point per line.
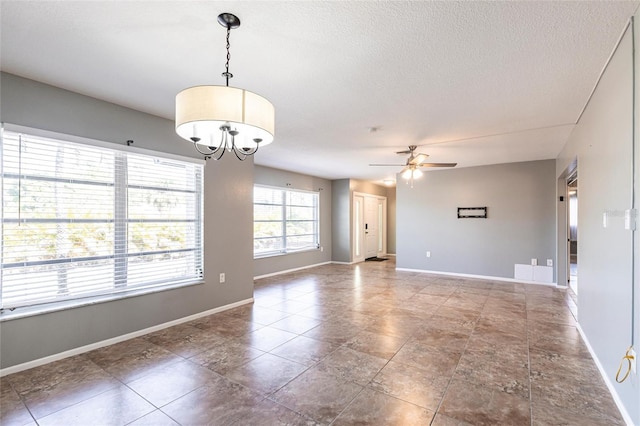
x=526, y=312
x=76, y=403
x=435, y=414
x=349, y=404
x=269, y=396
x=23, y=402
x=364, y=387
x=369, y=382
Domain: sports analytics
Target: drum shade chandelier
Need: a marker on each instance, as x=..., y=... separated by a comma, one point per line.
x=222, y=118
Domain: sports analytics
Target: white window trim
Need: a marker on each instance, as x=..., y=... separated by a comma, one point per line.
x=284, y=251
x=8, y=314
x=45, y=308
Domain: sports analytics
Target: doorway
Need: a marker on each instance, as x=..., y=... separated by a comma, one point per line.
x=369, y=226
x=572, y=232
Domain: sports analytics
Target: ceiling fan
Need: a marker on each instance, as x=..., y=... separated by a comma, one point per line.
x=414, y=163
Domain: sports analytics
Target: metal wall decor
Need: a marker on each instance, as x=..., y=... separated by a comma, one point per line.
x=472, y=212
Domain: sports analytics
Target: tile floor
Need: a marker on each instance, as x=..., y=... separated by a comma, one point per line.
x=341, y=345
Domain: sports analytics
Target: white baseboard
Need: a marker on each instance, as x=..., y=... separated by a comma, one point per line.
x=605, y=377
x=118, y=339
x=480, y=277
x=335, y=262
x=273, y=274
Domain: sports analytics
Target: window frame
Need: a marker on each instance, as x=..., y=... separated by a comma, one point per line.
x=118, y=291
x=285, y=250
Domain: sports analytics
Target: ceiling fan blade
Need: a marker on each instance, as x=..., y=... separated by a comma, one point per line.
x=438, y=164
x=406, y=151
x=389, y=165
x=418, y=159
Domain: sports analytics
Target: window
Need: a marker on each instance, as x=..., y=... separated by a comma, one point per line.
x=284, y=221
x=81, y=220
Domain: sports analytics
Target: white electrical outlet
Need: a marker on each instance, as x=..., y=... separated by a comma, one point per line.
x=549, y=262
x=428, y=254
x=633, y=361
x=222, y=277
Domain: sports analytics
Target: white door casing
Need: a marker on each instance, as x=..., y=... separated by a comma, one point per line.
x=370, y=227
x=369, y=221
x=358, y=228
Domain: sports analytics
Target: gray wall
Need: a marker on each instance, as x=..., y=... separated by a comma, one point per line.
x=365, y=187
x=521, y=219
x=602, y=144
x=284, y=179
x=227, y=202
x=341, y=220
x=391, y=220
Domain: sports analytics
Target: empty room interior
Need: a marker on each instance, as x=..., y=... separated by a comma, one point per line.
x=319, y=212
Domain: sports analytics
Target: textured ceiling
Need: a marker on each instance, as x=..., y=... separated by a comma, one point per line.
x=471, y=82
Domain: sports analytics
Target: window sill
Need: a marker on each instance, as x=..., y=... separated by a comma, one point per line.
x=29, y=311
x=267, y=255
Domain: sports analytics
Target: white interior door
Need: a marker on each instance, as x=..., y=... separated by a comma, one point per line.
x=370, y=227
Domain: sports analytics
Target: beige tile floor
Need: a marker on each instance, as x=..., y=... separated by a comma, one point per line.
x=343, y=345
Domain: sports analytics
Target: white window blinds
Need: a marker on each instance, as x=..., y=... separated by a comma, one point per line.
x=284, y=220
x=80, y=220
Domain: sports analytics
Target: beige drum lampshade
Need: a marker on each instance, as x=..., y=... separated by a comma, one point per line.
x=201, y=110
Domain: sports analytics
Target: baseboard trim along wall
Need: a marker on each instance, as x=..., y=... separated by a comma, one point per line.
x=605, y=377
x=480, y=277
x=273, y=274
x=118, y=339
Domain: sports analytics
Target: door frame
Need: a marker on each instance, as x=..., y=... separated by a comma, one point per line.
x=357, y=218
x=382, y=228
x=573, y=176
x=562, y=225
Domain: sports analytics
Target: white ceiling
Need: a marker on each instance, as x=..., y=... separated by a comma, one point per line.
x=471, y=82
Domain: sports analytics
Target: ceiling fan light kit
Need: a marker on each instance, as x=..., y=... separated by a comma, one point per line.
x=411, y=173
x=411, y=169
x=217, y=119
